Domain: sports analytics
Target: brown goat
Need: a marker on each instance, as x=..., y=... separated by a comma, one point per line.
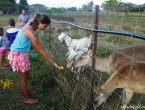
x=115, y=60
x=130, y=77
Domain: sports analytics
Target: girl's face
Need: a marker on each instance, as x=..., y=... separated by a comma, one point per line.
x=42, y=26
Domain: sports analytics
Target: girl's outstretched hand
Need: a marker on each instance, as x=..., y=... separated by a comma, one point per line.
x=56, y=66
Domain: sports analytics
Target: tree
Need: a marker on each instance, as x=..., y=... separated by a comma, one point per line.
x=116, y=6
x=23, y=6
x=111, y=5
x=38, y=8
x=23, y=2
x=88, y=6
x=58, y=10
x=12, y=1
x=91, y=5
x=72, y=9
x=7, y=6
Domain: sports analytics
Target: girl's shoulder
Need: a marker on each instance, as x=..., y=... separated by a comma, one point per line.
x=27, y=28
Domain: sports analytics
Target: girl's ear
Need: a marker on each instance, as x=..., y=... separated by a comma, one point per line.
x=39, y=23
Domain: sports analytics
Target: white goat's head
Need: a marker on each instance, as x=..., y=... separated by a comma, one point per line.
x=61, y=37
x=84, y=59
x=69, y=64
x=59, y=30
x=74, y=55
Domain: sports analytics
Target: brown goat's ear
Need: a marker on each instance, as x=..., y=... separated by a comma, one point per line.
x=91, y=46
x=95, y=86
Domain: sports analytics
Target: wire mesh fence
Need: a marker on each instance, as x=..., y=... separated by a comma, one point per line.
x=114, y=51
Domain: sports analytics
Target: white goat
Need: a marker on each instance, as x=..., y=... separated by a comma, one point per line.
x=130, y=77
x=74, y=44
x=115, y=60
x=77, y=55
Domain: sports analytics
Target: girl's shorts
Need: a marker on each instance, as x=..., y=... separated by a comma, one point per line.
x=19, y=61
x=2, y=51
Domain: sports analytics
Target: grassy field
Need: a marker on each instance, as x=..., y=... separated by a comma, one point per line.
x=5, y=18
x=59, y=90
x=107, y=43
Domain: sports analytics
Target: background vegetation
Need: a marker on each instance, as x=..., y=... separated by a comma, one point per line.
x=59, y=90
x=11, y=7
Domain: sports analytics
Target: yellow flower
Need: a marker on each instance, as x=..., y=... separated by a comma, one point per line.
x=61, y=67
x=6, y=83
x=1, y=81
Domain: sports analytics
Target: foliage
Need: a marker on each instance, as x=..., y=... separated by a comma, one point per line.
x=23, y=5
x=117, y=5
x=38, y=8
x=88, y=6
x=10, y=6
x=7, y=7
x=6, y=83
x=56, y=10
x=72, y=9
x=11, y=1
x=112, y=4
x=23, y=2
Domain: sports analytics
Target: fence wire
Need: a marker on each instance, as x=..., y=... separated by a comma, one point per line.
x=77, y=91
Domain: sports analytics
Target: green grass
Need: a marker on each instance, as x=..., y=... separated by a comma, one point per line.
x=41, y=79
x=59, y=90
x=43, y=82
x=5, y=18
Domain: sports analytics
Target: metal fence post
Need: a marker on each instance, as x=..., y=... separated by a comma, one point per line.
x=96, y=21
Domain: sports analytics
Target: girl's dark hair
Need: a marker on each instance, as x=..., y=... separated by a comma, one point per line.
x=44, y=19
x=11, y=22
x=1, y=31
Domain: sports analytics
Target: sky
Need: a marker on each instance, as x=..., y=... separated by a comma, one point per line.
x=74, y=3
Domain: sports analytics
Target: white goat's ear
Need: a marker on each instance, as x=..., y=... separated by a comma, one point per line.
x=90, y=52
x=90, y=36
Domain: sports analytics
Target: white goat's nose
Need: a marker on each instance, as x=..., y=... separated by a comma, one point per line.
x=68, y=59
x=73, y=64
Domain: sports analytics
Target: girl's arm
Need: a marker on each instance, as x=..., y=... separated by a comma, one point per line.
x=39, y=48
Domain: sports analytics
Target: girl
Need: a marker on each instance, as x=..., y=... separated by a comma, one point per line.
x=18, y=56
